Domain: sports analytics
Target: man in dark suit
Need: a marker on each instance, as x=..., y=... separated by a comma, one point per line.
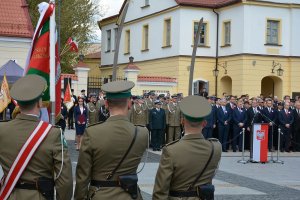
x=157, y=125
x=203, y=93
x=239, y=117
x=230, y=107
x=286, y=119
x=71, y=111
x=253, y=116
x=296, y=127
x=207, y=131
x=270, y=117
x=224, y=118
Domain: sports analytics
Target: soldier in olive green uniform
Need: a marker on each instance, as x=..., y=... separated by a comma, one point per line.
x=139, y=112
x=47, y=160
x=104, y=145
x=173, y=120
x=93, y=110
x=184, y=160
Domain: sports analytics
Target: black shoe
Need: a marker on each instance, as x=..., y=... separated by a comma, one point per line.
x=225, y=151
x=234, y=150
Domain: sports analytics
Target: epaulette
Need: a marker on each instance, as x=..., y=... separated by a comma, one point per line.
x=170, y=143
x=90, y=125
x=213, y=139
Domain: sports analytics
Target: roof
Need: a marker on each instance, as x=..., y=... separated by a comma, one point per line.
x=14, y=19
x=131, y=66
x=166, y=79
x=207, y=3
x=74, y=77
x=81, y=64
x=96, y=55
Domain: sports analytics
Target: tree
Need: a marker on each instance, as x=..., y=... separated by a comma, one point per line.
x=77, y=20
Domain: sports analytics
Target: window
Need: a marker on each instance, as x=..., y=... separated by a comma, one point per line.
x=227, y=34
x=147, y=3
x=145, y=37
x=167, y=33
x=203, y=33
x=273, y=32
x=116, y=36
x=108, y=42
x=127, y=42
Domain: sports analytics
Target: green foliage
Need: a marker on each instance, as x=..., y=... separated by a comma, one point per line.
x=77, y=20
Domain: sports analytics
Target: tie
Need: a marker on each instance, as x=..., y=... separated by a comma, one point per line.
x=269, y=110
x=286, y=112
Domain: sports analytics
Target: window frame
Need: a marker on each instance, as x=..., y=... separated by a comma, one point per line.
x=108, y=40
x=206, y=34
x=167, y=37
x=269, y=36
x=145, y=37
x=127, y=42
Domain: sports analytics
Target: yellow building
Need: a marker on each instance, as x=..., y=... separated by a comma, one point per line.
x=252, y=46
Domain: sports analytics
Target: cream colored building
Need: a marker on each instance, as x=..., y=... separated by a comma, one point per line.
x=254, y=45
x=16, y=32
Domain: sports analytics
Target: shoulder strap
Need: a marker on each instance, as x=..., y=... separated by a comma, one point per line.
x=23, y=158
x=123, y=158
x=209, y=159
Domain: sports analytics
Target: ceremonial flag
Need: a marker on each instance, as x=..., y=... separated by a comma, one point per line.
x=4, y=95
x=260, y=142
x=38, y=60
x=73, y=45
x=67, y=98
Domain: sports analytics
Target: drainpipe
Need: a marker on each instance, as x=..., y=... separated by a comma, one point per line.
x=217, y=52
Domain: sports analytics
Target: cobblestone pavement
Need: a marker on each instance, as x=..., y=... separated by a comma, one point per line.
x=233, y=181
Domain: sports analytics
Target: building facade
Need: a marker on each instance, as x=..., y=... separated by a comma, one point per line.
x=16, y=32
x=253, y=45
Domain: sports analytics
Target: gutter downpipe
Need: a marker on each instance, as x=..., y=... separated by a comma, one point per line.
x=217, y=53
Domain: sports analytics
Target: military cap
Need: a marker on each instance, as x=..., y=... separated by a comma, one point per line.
x=161, y=95
x=82, y=90
x=146, y=94
x=93, y=95
x=118, y=89
x=139, y=97
x=72, y=90
x=157, y=102
x=195, y=108
x=174, y=96
x=28, y=89
x=151, y=93
x=134, y=97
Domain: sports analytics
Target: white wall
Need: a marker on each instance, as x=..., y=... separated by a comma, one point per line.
x=255, y=29
x=135, y=9
x=248, y=32
x=14, y=49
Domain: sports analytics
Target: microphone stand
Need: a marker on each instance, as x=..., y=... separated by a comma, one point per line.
x=251, y=137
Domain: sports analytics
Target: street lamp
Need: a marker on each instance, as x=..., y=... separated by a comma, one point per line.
x=215, y=72
x=279, y=70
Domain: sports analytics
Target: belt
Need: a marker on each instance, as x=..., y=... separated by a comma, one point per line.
x=184, y=193
x=26, y=186
x=96, y=183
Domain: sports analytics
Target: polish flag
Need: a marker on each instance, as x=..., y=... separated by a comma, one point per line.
x=260, y=142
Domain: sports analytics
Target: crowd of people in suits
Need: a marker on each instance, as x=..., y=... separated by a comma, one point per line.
x=230, y=115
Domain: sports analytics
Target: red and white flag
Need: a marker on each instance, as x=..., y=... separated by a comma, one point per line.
x=73, y=45
x=260, y=142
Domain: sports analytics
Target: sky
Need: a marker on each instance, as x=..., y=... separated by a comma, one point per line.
x=108, y=8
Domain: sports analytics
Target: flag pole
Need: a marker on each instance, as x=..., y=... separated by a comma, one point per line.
x=52, y=64
x=117, y=45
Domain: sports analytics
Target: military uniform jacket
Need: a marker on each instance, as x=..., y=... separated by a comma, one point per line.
x=93, y=112
x=181, y=162
x=173, y=115
x=149, y=103
x=102, y=148
x=45, y=161
x=139, y=114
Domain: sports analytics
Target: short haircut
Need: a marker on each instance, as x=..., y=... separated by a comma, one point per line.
x=117, y=103
x=27, y=107
x=193, y=124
